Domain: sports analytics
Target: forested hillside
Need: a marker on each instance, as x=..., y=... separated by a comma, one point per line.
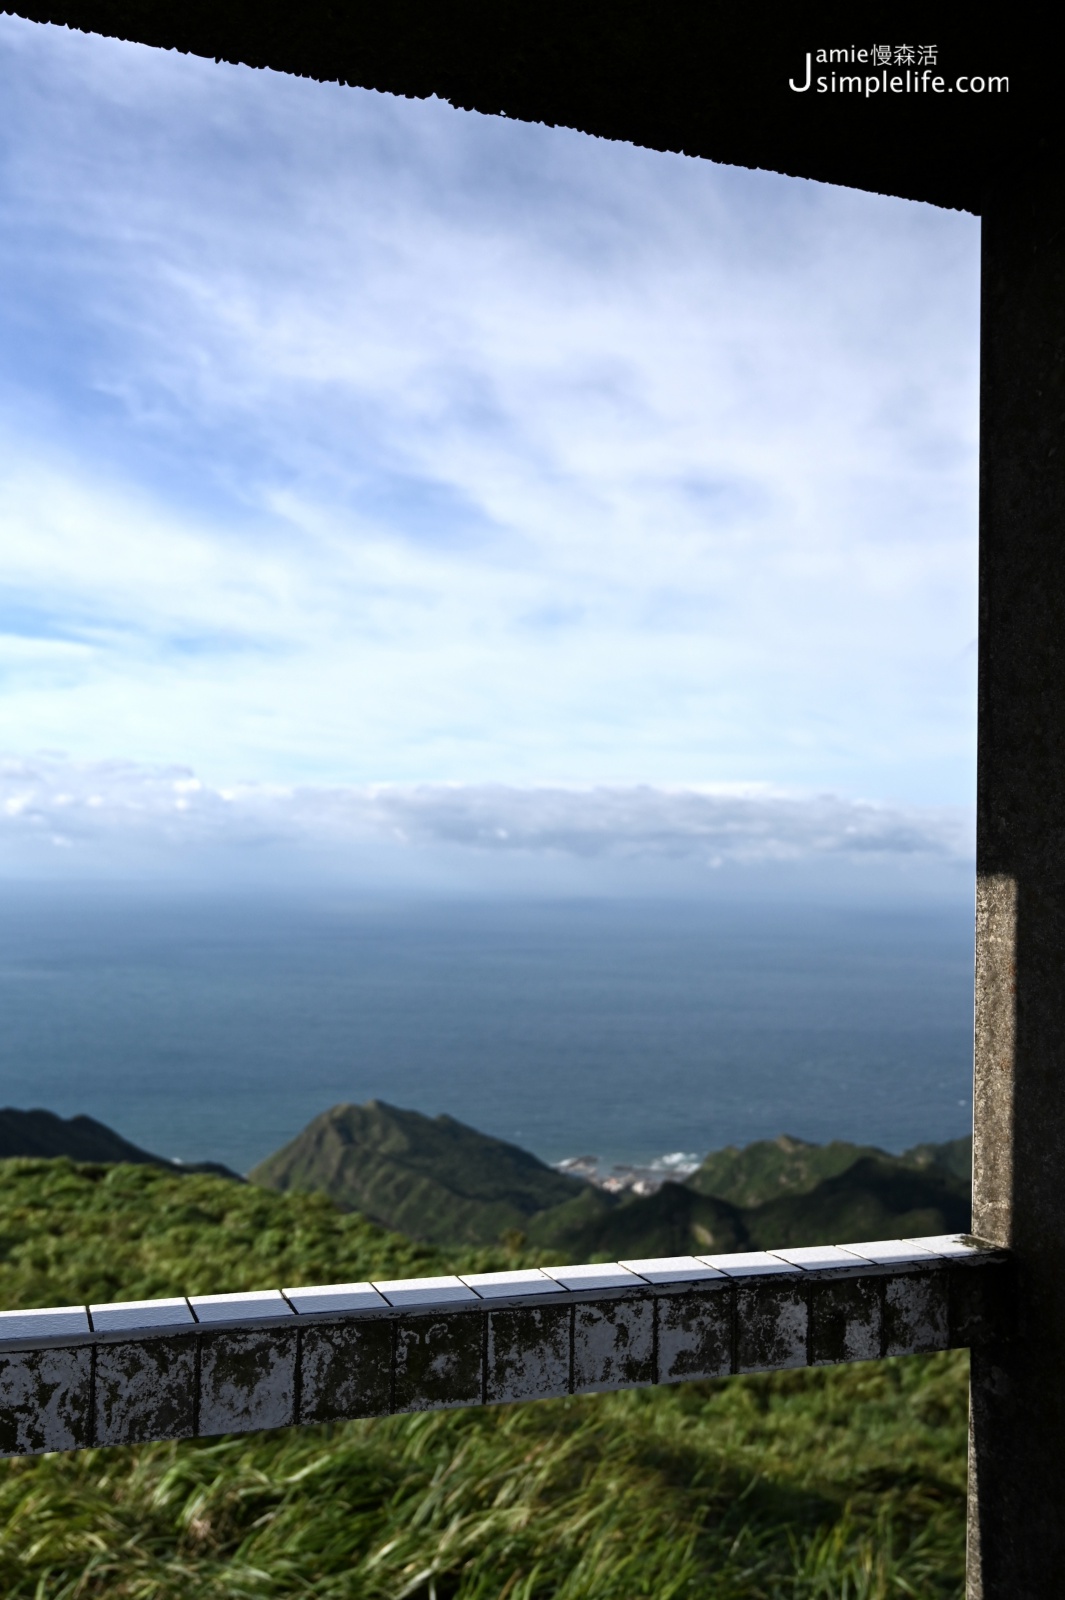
x=437, y=1180
x=431, y=1177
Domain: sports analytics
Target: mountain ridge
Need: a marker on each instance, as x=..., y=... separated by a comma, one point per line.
x=431, y=1178
x=40, y=1133
x=438, y=1181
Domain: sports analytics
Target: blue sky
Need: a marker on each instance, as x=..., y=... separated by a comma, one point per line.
x=382, y=480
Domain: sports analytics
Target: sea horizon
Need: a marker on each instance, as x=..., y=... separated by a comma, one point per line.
x=214, y=1027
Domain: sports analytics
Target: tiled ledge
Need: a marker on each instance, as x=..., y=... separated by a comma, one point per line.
x=75, y=1376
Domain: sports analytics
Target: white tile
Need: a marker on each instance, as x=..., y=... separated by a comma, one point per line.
x=43, y=1324
x=594, y=1275
x=888, y=1252
x=335, y=1297
x=746, y=1263
x=948, y=1244
x=811, y=1257
x=672, y=1269
x=496, y=1285
x=425, y=1291
x=694, y=1336
x=247, y=1382
x=916, y=1309
x=140, y=1314
x=613, y=1344
x=528, y=1353
x=45, y=1398
x=248, y=1307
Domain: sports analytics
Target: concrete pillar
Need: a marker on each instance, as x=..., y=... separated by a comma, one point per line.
x=1017, y=1449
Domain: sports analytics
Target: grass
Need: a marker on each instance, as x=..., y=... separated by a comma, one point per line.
x=77, y=1232
x=846, y=1484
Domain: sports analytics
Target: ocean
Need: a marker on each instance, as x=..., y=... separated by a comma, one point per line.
x=214, y=1027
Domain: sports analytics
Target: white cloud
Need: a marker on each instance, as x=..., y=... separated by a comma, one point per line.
x=169, y=813
x=713, y=826
x=346, y=439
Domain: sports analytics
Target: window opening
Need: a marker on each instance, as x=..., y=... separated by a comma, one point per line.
x=489, y=625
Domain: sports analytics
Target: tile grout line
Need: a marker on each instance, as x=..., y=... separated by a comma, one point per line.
x=197, y=1370
x=953, y=1285
x=91, y=1420
x=572, y=1346
x=654, y=1337
x=808, y=1297
x=734, y=1327
x=297, y=1379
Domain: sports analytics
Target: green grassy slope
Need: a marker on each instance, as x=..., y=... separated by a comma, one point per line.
x=431, y=1177
x=87, y=1232
x=797, y=1486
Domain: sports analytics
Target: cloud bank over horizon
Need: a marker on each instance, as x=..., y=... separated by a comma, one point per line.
x=86, y=819
x=351, y=445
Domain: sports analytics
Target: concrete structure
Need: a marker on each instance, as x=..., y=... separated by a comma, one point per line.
x=718, y=82
x=75, y=1376
x=1017, y=1459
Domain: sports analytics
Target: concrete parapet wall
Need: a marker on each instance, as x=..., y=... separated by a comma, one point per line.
x=77, y=1376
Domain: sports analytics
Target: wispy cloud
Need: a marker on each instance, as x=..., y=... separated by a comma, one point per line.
x=345, y=439
x=50, y=804
x=713, y=826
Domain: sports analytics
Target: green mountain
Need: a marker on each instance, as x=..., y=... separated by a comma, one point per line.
x=877, y=1197
x=672, y=1221
x=436, y=1180
x=769, y=1168
x=760, y=1172
x=41, y=1133
x=954, y=1156
x=431, y=1178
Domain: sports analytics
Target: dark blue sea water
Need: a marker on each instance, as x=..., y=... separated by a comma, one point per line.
x=215, y=1028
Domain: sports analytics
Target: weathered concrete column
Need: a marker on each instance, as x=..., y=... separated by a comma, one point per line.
x=1017, y=1451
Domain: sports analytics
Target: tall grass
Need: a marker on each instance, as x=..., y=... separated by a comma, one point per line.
x=845, y=1483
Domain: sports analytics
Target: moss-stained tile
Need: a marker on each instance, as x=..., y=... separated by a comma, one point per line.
x=247, y=1380
x=695, y=1335
x=613, y=1344
x=771, y=1326
x=44, y=1400
x=915, y=1312
x=845, y=1320
x=145, y=1389
x=439, y=1361
x=346, y=1369
x=528, y=1352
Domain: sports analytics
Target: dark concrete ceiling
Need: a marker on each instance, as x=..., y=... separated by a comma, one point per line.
x=687, y=75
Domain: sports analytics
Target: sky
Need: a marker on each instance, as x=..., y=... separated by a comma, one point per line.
x=435, y=498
